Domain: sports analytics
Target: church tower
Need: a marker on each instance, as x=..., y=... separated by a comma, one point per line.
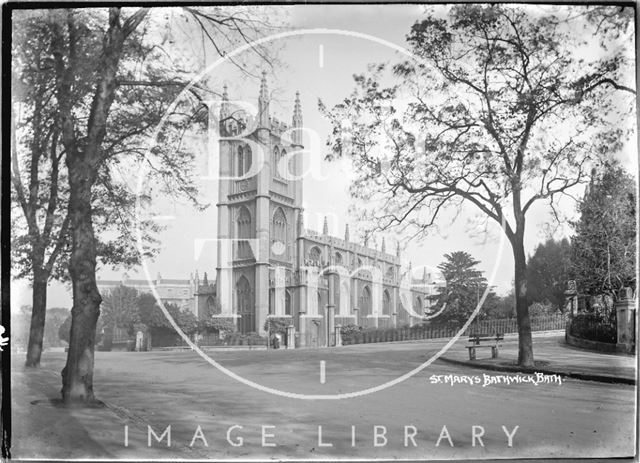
x=260, y=202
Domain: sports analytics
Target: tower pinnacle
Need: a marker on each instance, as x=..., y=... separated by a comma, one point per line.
x=297, y=121
x=325, y=226
x=224, y=106
x=264, y=91
x=263, y=102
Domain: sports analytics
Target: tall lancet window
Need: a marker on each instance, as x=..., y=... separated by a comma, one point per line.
x=244, y=232
x=276, y=163
x=365, y=301
x=283, y=165
x=243, y=160
x=240, y=167
x=386, y=303
x=247, y=159
x=418, y=307
x=280, y=232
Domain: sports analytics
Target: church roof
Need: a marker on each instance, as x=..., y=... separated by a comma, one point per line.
x=341, y=245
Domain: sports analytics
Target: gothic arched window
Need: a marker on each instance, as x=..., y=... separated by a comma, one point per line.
x=243, y=160
x=314, y=255
x=386, y=303
x=287, y=302
x=247, y=159
x=365, y=301
x=276, y=162
x=244, y=232
x=417, y=305
x=284, y=166
x=338, y=259
x=280, y=226
x=391, y=272
x=240, y=166
x=279, y=230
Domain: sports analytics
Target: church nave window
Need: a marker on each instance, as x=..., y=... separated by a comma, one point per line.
x=314, y=256
x=386, y=303
x=282, y=164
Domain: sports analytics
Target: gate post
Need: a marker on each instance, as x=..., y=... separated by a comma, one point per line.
x=626, y=318
x=291, y=341
x=331, y=307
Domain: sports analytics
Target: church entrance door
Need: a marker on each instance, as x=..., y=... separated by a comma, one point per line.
x=246, y=309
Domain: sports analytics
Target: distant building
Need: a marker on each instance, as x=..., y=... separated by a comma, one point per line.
x=193, y=294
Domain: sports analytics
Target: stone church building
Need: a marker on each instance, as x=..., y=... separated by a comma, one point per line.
x=270, y=265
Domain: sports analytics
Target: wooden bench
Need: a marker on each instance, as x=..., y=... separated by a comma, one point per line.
x=477, y=341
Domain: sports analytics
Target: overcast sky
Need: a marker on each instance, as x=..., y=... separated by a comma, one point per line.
x=321, y=65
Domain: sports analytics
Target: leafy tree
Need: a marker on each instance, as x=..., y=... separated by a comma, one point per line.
x=603, y=252
x=119, y=307
x=538, y=309
x=211, y=321
x=500, y=109
x=112, y=85
x=185, y=319
x=465, y=286
x=504, y=307
x=548, y=272
x=36, y=191
x=151, y=315
x=40, y=232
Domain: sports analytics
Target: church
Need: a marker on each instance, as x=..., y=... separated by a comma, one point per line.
x=270, y=265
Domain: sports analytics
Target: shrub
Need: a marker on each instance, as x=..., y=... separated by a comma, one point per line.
x=249, y=339
x=217, y=325
x=592, y=327
x=349, y=332
x=277, y=324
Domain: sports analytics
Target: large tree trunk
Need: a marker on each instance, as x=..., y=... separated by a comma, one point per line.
x=38, y=315
x=83, y=163
x=525, y=345
x=77, y=375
